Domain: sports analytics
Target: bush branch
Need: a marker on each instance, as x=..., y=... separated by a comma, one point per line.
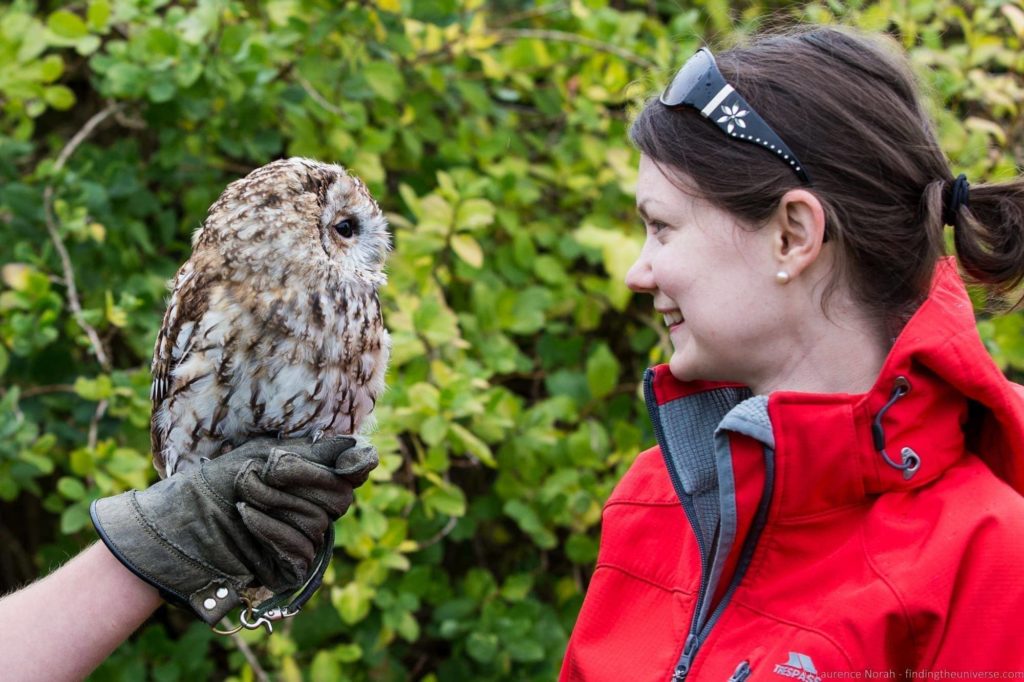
x=562, y=36
x=58, y=243
x=101, y=409
x=315, y=95
x=257, y=670
x=43, y=390
x=440, y=535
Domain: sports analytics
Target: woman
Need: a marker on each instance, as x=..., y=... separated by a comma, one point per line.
x=837, y=486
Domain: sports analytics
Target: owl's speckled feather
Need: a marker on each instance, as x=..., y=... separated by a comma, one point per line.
x=274, y=325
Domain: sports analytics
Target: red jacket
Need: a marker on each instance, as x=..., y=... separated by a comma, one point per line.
x=830, y=562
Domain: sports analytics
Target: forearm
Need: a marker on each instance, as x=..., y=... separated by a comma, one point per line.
x=63, y=626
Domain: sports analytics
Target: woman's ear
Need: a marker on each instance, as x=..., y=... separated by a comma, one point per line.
x=799, y=229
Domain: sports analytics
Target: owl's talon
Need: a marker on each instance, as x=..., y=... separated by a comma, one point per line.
x=318, y=434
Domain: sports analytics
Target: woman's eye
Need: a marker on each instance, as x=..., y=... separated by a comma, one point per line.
x=656, y=226
x=346, y=228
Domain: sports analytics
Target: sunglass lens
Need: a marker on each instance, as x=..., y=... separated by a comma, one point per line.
x=686, y=78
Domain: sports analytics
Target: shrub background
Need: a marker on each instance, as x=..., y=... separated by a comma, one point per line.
x=493, y=135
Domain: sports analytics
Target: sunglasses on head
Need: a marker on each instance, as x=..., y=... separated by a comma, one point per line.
x=699, y=84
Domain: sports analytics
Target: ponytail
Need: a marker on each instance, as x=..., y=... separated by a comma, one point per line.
x=988, y=233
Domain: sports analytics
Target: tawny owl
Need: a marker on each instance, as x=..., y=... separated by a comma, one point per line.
x=274, y=326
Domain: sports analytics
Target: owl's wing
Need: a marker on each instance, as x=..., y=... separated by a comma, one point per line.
x=173, y=344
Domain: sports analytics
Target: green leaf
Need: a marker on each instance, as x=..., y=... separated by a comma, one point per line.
x=447, y=499
x=619, y=251
x=581, y=549
x=517, y=587
x=352, y=601
x=67, y=24
x=100, y=388
x=74, y=518
x=51, y=68
x=348, y=653
x=59, y=97
x=602, y=371
x=531, y=523
x=325, y=668
x=5, y=360
x=408, y=627
x=473, y=214
x=525, y=650
x=468, y=249
x=98, y=14
x=71, y=488
x=384, y=79
x=434, y=429
x=473, y=445
x=482, y=646
x=161, y=91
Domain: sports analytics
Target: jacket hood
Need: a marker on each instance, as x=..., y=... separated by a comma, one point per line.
x=957, y=400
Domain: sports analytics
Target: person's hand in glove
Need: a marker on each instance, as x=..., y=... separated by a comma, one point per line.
x=255, y=516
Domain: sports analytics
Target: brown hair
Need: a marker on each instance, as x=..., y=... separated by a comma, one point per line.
x=847, y=104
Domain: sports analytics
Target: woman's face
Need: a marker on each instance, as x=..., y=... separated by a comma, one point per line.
x=713, y=282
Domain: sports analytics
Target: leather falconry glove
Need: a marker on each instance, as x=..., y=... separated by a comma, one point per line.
x=255, y=516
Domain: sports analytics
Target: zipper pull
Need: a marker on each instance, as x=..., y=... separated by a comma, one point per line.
x=742, y=672
x=683, y=667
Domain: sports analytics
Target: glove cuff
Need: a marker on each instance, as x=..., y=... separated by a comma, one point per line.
x=137, y=544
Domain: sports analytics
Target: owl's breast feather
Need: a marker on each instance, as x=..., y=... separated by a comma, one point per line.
x=266, y=365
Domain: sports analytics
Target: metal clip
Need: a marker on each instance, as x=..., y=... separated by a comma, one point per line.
x=266, y=619
x=262, y=619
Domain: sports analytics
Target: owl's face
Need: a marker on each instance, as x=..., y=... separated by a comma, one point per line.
x=293, y=215
x=353, y=230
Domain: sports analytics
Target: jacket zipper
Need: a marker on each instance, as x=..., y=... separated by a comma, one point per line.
x=742, y=672
x=692, y=642
x=694, y=638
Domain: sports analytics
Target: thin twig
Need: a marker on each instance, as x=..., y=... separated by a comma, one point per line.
x=58, y=243
x=315, y=95
x=83, y=134
x=441, y=534
x=126, y=121
x=254, y=662
x=42, y=390
x=94, y=425
x=562, y=36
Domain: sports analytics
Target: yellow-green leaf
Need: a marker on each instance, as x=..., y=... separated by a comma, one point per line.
x=468, y=249
x=473, y=444
x=1015, y=16
x=352, y=601
x=16, y=275
x=474, y=213
x=67, y=24
x=446, y=499
x=59, y=97
x=51, y=68
x=98, y=14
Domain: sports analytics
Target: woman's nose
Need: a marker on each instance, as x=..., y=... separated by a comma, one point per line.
x=639, y=277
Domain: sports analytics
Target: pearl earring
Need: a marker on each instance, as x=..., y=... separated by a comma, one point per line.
x=782, y=277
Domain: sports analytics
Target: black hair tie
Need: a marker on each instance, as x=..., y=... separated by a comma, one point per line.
x=959, y=195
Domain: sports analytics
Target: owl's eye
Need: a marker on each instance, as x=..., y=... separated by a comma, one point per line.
x=347, y=227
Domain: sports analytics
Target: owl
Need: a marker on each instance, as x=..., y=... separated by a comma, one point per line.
x=274, y=324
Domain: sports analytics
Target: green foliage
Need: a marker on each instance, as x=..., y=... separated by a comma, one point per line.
x=496, y=141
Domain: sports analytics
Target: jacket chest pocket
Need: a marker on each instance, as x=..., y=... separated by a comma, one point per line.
x=807, y=658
